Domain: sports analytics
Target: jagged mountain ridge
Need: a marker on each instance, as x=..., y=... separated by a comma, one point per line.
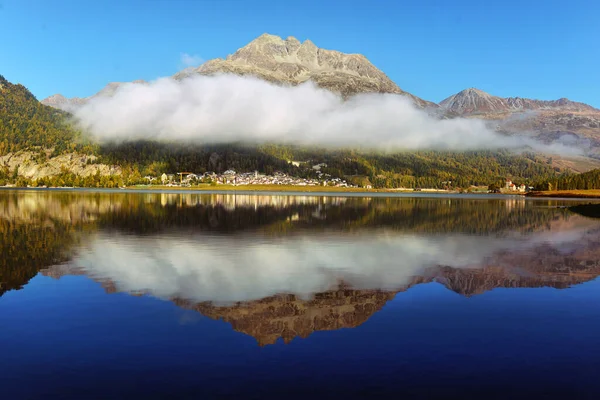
x=474, y=101
x=288, y=62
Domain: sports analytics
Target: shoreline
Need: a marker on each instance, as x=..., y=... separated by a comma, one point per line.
x=316, y=191
x=236, y=189
x=567, y=194
x=283, y=188
x=280, y=190
x=249, y=191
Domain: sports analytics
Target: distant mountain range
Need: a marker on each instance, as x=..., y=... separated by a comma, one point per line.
x=548, y=120
x=291, y=62
x=474, y=101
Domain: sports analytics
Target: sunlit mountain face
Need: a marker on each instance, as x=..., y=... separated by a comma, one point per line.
x=287, y=266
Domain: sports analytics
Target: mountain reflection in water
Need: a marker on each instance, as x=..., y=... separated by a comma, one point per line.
x=286, y=266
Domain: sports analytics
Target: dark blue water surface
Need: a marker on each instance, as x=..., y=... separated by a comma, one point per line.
x=228, y=296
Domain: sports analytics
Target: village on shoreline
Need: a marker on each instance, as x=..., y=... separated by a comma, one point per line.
x=279, y=181
x=230, y=180
x=231, y=177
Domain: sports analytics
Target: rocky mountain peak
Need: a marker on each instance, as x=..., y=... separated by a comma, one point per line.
x=270, y=51
x=110, y=89
x=475, y=91
x=61, y=102
x=569, y=104
x=292, y=62
x=473, y=101
x=55, y=98
x=266, y=37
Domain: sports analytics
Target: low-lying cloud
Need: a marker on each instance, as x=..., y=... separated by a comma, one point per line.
x=230, y=108
x=198, y=269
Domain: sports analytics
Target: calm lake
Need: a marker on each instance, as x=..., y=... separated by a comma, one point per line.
x=111, y=295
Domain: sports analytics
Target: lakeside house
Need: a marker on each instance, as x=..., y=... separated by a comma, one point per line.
x=512, y=187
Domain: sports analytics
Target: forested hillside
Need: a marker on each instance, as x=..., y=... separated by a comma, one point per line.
x=26, y=124
x=405, y=169
x=429, y=168
x=587, y=180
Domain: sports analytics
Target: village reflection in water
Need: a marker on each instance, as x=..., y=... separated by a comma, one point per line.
x=280, y=267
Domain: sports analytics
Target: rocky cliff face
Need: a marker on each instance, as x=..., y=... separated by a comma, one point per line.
x=31, y=167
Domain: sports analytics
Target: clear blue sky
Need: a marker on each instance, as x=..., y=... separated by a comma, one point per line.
x=527, y=48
